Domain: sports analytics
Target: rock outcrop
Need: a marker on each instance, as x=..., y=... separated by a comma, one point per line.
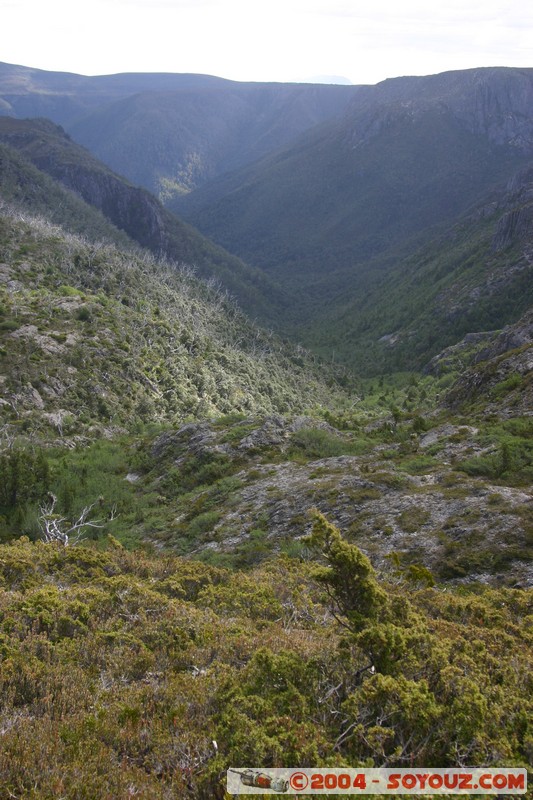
x=501, y=372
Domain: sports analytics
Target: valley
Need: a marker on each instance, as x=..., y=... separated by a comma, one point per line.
x=266, y=446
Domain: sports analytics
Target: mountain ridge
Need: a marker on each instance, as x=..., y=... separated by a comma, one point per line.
x=217, y=549
x=349, y=225
x=338, y=214
x=397, y=104
x=130, y=208
x=178, y=122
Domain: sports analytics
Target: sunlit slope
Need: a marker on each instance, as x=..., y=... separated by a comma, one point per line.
x=94, y=336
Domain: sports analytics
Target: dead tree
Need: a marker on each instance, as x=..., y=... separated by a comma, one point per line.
x=56, y=528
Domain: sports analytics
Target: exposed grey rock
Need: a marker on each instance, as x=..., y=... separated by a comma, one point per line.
x=450, y=356
x=35, y=398
x=510, y=338
x=510, y=353
x=195, y=437
x=429, y=518
x=419, y=518
x=5, y=273
x=46, y=343
x=517, y=223
x=276, y=431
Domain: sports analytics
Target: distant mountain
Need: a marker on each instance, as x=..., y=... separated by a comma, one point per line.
x=171, y=133
x=408, y=154
x=375, y=224
x=65, y=96
x=174, y=141
x=334, y=216
x=130, y=209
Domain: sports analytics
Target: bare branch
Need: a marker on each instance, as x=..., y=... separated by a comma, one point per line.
x=58, y=529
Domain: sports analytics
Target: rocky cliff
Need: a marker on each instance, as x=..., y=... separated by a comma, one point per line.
x=500, y=377
x=133, y=209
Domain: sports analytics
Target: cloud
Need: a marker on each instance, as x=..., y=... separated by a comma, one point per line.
x=150, y=5
x=278, y=40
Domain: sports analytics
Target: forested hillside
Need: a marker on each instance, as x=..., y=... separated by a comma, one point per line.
x=96, y=336
x=170, y=132
x=394, y=222
x=355, y=216
x=472, y=278
x=129, y=208
x=216, y=548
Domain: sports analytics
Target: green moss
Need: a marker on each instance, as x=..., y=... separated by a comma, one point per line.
x=412, y=519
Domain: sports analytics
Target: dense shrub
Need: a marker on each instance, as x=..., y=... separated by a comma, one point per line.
x=119, y=670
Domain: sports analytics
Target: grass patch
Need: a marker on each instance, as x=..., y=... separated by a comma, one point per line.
x=412, y=519
x=319, y=443
x=420, y=465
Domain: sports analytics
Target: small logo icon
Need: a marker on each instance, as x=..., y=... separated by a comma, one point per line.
x=262, y=781
x=299, y=781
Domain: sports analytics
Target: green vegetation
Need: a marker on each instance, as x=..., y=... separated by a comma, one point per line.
x=378, y=239
x=105, y=206
x=385, y=271
x=169, y=605
x=96, y=339
x=510, y=457
x=25, y=186
x=24, y=480
x=413, y=310
x=314, y=443
x=119, y=670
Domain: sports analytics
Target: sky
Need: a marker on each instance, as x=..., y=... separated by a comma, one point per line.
x=362, y=41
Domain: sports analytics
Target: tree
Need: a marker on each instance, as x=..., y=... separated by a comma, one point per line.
x=24, y=476
x=58, y=529
x=350, y=579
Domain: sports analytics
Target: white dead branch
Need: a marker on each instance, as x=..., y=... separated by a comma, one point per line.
x=56, y=528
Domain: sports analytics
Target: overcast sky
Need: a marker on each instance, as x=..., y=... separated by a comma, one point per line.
x=364, y=41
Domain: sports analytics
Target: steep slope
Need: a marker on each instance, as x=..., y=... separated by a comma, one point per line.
x=476, y=276
x=96, y=344
x=168, y=132
x=498, y=376
x=102, y=345
x=405, y=157
x=132, y=209
x=172, y=142
x=350, y=229
x=93, y=338
x=24, y=186
x=419, y=153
